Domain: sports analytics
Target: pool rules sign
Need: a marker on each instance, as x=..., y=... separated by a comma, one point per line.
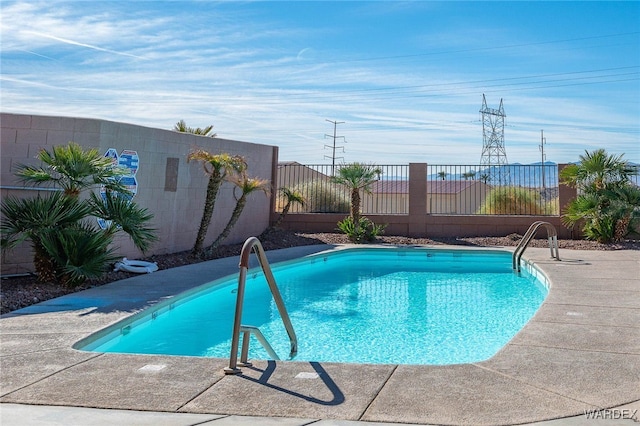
x=129, y=161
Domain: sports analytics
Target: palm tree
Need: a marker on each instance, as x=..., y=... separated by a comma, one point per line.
x=247, y=185
x=357, y=177
x=66, y=246
x=182, y=127
x=442, y=175
x=469, y=175
x=627, y=206
x=608, y=204
x=598, y=171
x=218, y=167
x=35, y=220
x=73, y=169
x=291, y=197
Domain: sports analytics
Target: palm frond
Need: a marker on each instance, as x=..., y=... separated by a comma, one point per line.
x=292, y=196
x=358, y=176
x=218, y=164
x=126, y=215
x=80, y=252
x=181, y=126
x=28, y=218
x=72, y=169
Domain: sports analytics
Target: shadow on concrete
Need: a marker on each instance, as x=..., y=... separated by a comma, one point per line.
x=338, y=396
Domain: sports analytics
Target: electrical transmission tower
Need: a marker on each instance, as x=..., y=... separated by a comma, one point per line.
x=333, y=155
x=494, y=157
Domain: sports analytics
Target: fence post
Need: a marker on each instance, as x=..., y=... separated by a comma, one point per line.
x=417, y=226
x=274, y=185
x=565, y=195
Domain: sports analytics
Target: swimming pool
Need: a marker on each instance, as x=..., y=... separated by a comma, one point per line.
x=364, y=305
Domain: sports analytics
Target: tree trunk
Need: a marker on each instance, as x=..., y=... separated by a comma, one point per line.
x=285, y=210
x=44, y=265
x=621, y=228
x=210, y=201
x=232, y=221
x=355, y=206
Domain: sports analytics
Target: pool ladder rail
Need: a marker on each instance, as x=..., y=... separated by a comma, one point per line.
x=552, y=236
x=246, y=330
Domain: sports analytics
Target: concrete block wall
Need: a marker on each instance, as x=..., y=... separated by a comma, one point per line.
x=172, y=189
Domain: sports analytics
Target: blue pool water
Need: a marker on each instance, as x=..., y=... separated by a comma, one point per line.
x=405, y=306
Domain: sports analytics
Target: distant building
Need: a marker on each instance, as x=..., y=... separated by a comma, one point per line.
x=443, y=197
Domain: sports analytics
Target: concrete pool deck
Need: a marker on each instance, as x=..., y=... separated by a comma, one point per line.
x=580, y=353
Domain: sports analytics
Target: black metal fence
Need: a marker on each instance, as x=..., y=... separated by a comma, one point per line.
x=450, y=190
x=498, y=190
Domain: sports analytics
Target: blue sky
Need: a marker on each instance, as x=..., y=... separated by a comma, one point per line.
x=406, y=78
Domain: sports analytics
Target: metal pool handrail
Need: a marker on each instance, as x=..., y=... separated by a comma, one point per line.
x=552, y=236
x=249, y=244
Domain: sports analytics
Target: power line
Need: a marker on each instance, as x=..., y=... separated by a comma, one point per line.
x=426, y=90
x=333, y=156
x=481, y=49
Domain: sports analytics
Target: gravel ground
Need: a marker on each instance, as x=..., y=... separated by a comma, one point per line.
x=20, y=292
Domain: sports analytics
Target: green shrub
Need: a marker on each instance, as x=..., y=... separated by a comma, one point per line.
x=607, y=207
x=511, y=200
x=322, y=197
x=81, y=251
x=68, y=247
x=364, y=231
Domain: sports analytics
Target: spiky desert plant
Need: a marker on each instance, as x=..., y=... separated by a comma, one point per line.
x=247, y=186
x=217, y=167
x=291, y=197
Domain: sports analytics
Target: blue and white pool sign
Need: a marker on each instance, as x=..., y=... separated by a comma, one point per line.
x=131, y=184
x=113, y=155
x=129, y=161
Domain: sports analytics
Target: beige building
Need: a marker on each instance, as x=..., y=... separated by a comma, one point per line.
x=442, y=196
x=455, y=196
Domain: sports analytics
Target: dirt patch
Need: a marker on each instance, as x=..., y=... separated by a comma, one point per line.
x=23, y=291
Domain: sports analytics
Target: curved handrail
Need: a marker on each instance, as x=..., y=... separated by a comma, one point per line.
x=249, y=244
x=552, y=236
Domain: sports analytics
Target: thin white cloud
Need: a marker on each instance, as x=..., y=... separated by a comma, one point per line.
x=76, y=43
x=263, y=82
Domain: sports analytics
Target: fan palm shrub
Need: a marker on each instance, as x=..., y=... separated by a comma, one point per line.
x=608, y=203
x=357, y=177
x=68, y=246
x=37, y=220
